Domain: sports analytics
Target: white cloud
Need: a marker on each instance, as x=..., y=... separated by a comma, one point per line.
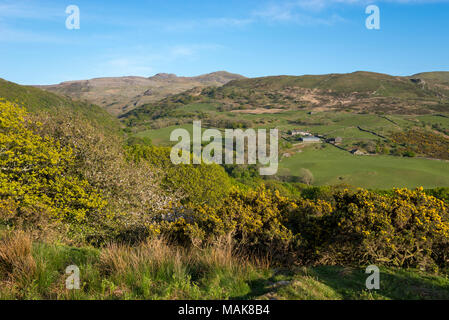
x=317, y=12
x=208, y=23
x=321, y=4
x=146, y=61
x=13, y=11
x=19, y=9
x=228, y=22
x=284, y=9
x=25, y=36
x=302, y=12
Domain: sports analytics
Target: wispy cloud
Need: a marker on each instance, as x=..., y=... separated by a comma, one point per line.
x=305, y=12
x=21, y=9
x=299, y=12
x=12, y=35
x=146, y=61
x=315, y=5
x=317, y=12
x=180, y=25
x=13, y=13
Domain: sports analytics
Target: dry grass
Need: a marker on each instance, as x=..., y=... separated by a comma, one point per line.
x=16, y=260
x=119, y=258
x=154, y=254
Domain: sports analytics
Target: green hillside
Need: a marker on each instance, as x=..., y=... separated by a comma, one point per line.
x=391, y=119
x=358, y=92
x=38, y=101
x=357, y=82
x=442, y=76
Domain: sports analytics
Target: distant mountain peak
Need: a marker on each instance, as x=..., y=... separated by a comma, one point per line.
x=164, y=76
x=121, y=94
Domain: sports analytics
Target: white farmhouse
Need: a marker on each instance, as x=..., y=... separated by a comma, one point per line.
x=311, y=139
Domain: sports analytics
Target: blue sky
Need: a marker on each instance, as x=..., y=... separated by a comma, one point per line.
x=192, y=37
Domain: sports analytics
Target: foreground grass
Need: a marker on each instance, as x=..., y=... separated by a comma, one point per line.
x=156, y=271
x=336, y=283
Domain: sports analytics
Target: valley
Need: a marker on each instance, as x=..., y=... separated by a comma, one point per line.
x=369, y=124
x=377, y=132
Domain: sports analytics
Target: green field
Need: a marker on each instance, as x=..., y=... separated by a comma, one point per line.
x=333, y=166
x=330, y=165
x=162, y=136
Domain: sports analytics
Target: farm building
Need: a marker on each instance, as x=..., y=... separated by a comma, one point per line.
x=310, y=139
x=300, y=133
x=358, y=152
x=335, y=140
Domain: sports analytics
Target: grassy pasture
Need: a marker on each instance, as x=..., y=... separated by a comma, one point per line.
x=162, y=136
x=333, y=166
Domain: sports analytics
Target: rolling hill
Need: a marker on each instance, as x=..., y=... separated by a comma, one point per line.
x=122, y=94
x=358, y=92
x=398, y=123
x=38, y=101
x=442, y=76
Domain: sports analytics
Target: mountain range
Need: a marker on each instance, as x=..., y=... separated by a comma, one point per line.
x=146, y=99
x=357, y=92
x=122, y=94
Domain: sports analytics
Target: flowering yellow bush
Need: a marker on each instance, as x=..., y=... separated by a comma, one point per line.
x=408, y=228
x=254, y=218
x=36, y=173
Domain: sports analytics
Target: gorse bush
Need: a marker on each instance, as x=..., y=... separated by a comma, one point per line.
x=424, y=143
x=133, y=190
x=129, y=187
x=62, y=167
x=255, y=219
x=59, y=166
x=37, y=173
x=407, y=228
